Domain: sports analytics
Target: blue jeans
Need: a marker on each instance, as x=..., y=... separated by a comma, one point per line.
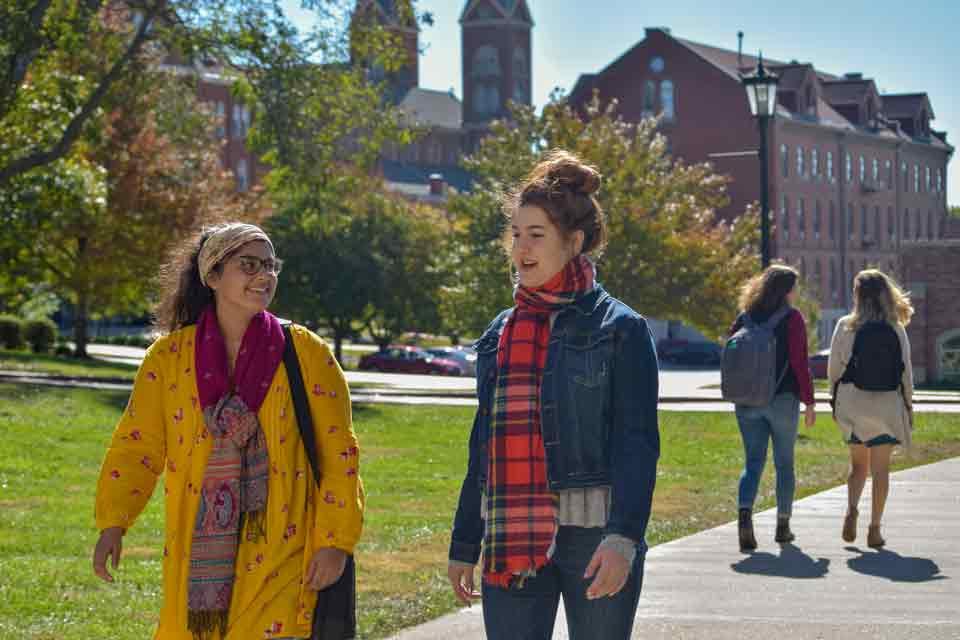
x=758, y=425
x=529, y=613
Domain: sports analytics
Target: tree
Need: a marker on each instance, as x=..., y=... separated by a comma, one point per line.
x=357, y=258
x=96, y=224
x=63, y=60
x=669, y=254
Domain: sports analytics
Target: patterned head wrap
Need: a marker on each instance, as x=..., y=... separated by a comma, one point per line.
x=225, y=239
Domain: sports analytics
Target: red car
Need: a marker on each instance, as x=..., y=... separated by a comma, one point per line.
x=403, y=359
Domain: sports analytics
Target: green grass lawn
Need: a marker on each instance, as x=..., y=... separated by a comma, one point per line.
x=413, y=459
x=64, y=365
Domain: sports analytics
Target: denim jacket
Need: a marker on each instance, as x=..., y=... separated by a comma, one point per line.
x=598, y=414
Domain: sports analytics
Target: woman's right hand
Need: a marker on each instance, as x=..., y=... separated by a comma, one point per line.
x=109, y=544
x=461, y=579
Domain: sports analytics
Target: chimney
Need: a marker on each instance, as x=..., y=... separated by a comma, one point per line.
x=652, y=30
x=739, y=49
x=853, y=75
x=438, y=186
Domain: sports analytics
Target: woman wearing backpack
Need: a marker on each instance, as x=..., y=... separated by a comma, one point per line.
x=763, y=297
x=872, y=378
x=563, y=451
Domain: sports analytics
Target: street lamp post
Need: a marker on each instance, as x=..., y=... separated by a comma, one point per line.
x=761, y=87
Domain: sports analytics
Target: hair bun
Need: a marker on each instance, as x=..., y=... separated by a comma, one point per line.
x=569, y=172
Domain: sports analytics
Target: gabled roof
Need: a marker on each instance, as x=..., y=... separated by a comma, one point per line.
x=906, y=105
x=506, y=10
x=429, y=108
x=848, y=90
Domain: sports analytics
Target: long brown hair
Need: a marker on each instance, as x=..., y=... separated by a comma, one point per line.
x=182, y=295
x=763, y=294
x=877, y=297
x=565, y=187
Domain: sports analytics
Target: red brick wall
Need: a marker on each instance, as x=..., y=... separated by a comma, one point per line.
x=933, y=270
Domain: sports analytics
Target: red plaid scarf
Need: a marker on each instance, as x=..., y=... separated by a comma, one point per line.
x=235, y=480
x=521, y=521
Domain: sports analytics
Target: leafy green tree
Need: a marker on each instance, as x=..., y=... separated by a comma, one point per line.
x=669, y=254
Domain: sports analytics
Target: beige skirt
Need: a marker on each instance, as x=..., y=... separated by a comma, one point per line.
x=870, y=414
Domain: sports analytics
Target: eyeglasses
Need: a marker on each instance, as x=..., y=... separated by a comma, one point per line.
x=252, y=265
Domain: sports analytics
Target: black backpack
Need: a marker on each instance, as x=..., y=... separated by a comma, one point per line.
x=876, y=363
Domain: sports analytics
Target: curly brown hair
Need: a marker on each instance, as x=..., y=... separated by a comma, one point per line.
x=764, y=293
x=182, y=295
x=565, y=187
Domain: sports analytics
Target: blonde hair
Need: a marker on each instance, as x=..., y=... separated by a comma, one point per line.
x=877, y=297
x=765, y=292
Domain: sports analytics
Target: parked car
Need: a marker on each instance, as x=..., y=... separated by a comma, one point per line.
x=464, y=355
x=404, y=359
x=692, y=353
x=818, y=364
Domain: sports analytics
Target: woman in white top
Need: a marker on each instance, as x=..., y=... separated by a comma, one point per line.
x=873, y=390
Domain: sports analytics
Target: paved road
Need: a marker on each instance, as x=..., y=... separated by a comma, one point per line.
x=702, y=588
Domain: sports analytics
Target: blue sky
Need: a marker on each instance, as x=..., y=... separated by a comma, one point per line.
x=904, y=47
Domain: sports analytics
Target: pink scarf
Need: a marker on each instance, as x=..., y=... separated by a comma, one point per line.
x=235, y=481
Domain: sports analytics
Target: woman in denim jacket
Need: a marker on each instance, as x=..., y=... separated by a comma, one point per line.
x=564, y=446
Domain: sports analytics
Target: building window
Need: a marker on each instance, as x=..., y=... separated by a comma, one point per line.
x=939, y=180
x=816, y=220
x=243, y=178
x=486, y=62
x=814, y=163
x=916, y=178
x=864, y=223
x=832, y=224
x=801, y=170
x=221, y=120
x=930, y=235
x=486, y=99
x=950, y=359
x=876, y=171
x=785, y=161
x=926, y=179
x=888, y=168
x=785, y=219
x=904, y=175
x=850, y=222
x=649, y=98
x=801, y=220
x=830, y=165
x=834, y=290
x=877, y=227
x=848, y=169
x=918, y=226
x=906, y=224
x=667, y=100
x=863, y=170
x=891, y=226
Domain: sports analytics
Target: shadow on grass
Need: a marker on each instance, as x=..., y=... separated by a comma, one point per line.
x=884, y=563
x=111, y=399
x=28, y=358
x=791, y=563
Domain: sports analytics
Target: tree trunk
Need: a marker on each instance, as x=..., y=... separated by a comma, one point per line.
x=80, y=321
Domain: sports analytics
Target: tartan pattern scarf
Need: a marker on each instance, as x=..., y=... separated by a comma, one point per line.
x=234, y=487
x=522, y=520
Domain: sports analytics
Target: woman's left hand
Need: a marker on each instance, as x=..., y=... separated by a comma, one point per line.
x=611, y=570
x=325, y=568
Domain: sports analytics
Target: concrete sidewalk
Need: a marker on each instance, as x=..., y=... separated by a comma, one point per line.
x=701, y=587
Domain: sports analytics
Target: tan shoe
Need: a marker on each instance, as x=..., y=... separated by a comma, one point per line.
x=874, y=539
x=850, y=526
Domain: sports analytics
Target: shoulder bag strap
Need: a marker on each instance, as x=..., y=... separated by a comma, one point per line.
x=300, y=405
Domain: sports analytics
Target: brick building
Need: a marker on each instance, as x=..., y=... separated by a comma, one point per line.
x=856, y=177
x=496, y=68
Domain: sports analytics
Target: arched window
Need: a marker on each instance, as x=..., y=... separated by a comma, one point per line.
x=848, y=168
x=816, y=220
x=667, y=99
x=876, y=170
x=801, y=220
x=863, y=170
x=832, y=224
x=891, y=226
x=784, y=161
x=864, y=222
x=814, y=163
x=801, y=170
x=486, y=62
x=649, y=98
x=906, y=224
x=830, y=165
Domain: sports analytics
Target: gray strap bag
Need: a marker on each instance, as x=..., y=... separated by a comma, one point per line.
x=748, y=366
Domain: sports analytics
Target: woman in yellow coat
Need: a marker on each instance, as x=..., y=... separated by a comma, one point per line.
x=250, y=538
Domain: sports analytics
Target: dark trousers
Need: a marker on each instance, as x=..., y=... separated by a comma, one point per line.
x=529, y=613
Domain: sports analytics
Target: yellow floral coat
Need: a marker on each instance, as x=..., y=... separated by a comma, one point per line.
x=162, y=431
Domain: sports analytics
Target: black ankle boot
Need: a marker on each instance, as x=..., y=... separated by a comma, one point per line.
x=783, y=531
x=748, y=542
